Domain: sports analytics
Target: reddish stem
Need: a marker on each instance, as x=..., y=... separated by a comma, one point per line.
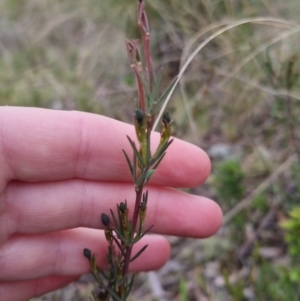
x=148, y=59
x=128, y=250
x=141, y=92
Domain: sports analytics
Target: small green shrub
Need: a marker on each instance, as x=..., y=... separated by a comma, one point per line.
x=273, y=282
x=228, y=182
x=183, y=291
x=292, y=227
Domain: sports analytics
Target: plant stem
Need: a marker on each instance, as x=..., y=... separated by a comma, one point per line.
x=126, y=232
x=128, y=250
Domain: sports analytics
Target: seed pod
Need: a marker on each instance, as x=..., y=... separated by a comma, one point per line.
x=105, y=220
x=87, y=253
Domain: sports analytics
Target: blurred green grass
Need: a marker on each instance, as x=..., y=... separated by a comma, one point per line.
x=71, y=55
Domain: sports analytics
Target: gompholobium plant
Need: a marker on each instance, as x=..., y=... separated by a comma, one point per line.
x=122, y=228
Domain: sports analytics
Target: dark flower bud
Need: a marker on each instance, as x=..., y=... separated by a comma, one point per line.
x=105, y=220
x=87, y=253
x=123, y=207
x=166, y=117
x=102, y=295
x=139, y=116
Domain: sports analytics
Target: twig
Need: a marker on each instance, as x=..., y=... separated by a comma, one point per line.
x=245, y=250
x=261, y=188
x=209, y=39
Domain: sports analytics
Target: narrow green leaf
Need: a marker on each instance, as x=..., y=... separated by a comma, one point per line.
x=136, y=152
x=134, y=168
x=122, y=238
x=145, y=175
x=167, y=144
x=113, y=294
x=138, y=238
x=148, y=155
x=145, y=84
x=114, y=266
x=153, y=95
x=140, y=230
x=114, y=218
x=156, y=162
x=97, y=278
x=123, y=280
x=131, y=232
x=163, y=96
x=128, y=161
x=160, y=150
x=119, y=245
x=120, y=220
x=148, y=230
x=149, y=174
x=142, y=176
x=145, y=196
x=103, y=274
x=159, y=160
x=138, y=253
x=129, y=287
x=144, y=201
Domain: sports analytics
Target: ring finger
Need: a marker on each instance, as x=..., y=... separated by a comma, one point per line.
x=25, y=257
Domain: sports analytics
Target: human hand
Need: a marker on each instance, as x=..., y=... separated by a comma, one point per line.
x=59, y=171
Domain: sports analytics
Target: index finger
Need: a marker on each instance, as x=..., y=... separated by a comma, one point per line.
x=47, y=145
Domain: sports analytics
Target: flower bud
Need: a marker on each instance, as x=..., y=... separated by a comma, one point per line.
x=139, y=116
x=87, y=253
x=102, y=295
x=166, y=117
x=123, y=207
x=105, y=220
